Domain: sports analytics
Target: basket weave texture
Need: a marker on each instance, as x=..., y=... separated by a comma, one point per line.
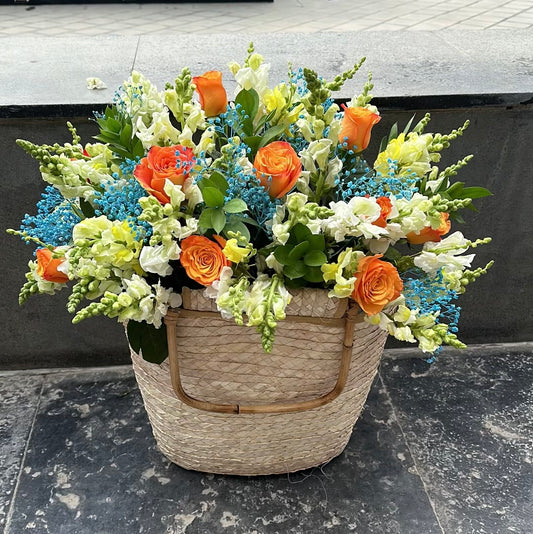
x=224, y=363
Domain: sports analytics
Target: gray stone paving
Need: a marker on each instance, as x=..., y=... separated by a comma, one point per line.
x=302, y=16
x=440, y=449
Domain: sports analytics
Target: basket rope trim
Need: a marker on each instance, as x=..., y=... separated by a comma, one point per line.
x=352, y=316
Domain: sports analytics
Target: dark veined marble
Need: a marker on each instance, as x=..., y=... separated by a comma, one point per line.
x=468, y=422
x=444, y=448
x=92, y=466
x=19, y=397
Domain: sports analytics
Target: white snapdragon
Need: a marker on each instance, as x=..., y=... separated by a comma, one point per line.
x=219, y=288
x=414, y=214
x=253, y=77
x=141, y=302
x=353, y=218
x=156, y=259
x=159, y=131
x=445, y=254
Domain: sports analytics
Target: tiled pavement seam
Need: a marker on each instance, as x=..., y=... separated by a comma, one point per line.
x=23, y=459
x=416, y=467
x=308, y=16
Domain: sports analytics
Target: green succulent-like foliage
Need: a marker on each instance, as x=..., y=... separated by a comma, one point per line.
x=302, y=256
x=116, y=130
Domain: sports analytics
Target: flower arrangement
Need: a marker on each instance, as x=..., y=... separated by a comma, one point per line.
x=250, y=199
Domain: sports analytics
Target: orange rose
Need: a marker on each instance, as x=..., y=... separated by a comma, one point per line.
x=277, y=167
x=164, y=163
x=203, y=259
x=356, y=127
x=47, y=267
x=430, y=234
x=213, y=98
x=377, y=283
x=386, y=207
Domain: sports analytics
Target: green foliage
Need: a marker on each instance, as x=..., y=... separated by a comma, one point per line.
x=218, y=214
x=116, y=130
x=149, y=341
x=302, y=256
x=249, y=103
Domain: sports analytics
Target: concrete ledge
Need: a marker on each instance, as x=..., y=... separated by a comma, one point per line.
x=36, y=71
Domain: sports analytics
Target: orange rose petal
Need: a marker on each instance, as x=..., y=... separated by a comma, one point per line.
x=213, y=97
x=356, y=127
x=377, y=283
x=277, y=168
x=47, y=267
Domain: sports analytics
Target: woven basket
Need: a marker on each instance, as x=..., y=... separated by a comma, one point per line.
x=220, y=404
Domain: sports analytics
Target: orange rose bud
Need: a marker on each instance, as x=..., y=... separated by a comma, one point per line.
x=430, y=234
x=277, y=167
x=47, y=267
x=164, y=163
x=213, y=98
x=203, y=259
x=377, y=283
x=386, y=207
x=356, y=127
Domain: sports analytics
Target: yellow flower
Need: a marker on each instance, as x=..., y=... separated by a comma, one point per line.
x=234, y=253
x=274, y=100
x=411, y=155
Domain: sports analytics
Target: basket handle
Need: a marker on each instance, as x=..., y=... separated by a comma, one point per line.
x=171, y=320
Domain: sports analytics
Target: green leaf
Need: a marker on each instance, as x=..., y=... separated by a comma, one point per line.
x=392, y=254
x=125, y=135
x=206, y=218
x=299, y=250
x=271, y=134
x=393, y=132
x=219, y=181
x=86, y=208
x=406, y=129
x=297, y=283
x=314, y=275
x=282, y=254
x=300, y=233
x=249, y=100
x=138, y=149
x=297, y=270
x=252, y=141
x=266, y=118
x=235, y=205
x=382, y=145
x=245, y=219
x=317, y=242
x=236, y=226
x=457, y=217
x=474, y=192
x=148, y=339
x=454, y=189
x=315, y=258
x=219, y=220
x=212, y=197
x=113, y=125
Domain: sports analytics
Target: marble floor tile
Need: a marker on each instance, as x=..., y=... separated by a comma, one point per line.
x=92, y=466
x=469, y=425
x=19, y=397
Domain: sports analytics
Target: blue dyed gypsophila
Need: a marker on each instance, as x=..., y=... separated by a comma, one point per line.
x=431, y=296
x=55, y=219
x=357, y=179
x=120, y=200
